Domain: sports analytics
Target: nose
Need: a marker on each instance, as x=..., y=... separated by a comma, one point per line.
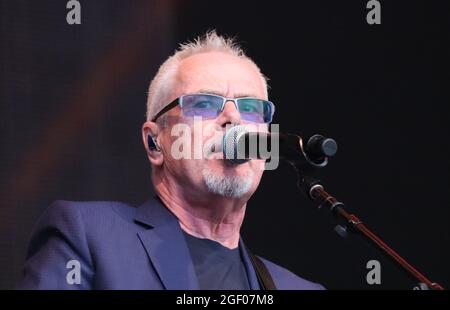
x=229, y=115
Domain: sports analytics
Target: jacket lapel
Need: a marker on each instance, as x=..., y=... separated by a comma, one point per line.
x=251, y=274
x=166, y=246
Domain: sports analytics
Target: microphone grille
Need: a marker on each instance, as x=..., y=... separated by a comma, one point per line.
x=230, y=144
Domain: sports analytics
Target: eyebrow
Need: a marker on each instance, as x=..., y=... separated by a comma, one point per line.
x=219, y=93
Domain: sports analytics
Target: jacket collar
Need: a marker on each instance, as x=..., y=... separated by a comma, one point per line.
x=168, y=252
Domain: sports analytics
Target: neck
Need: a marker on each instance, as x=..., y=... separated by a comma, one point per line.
x=204, y=216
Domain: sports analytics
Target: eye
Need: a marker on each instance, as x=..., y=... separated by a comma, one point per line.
x=249, y=107
x=204, y=104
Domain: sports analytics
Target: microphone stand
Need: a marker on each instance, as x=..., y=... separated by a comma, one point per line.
x=313, y=188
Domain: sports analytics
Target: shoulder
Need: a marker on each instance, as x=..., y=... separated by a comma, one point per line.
x=71, y=230
x=88, y=210
x=287, y=280
x=67, y=231
x=75, y=219
x=79, y=222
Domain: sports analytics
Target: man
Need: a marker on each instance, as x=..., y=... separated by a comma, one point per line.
x=187, y=237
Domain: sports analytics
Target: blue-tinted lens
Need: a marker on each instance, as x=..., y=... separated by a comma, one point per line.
x=206, y=106
x=255, y=110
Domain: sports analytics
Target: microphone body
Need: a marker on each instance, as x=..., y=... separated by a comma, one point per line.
x=240, y=145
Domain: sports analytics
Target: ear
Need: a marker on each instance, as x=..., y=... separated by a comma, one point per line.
x=154, y=153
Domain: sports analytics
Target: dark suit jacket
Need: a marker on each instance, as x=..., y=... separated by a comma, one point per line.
x=121, y=247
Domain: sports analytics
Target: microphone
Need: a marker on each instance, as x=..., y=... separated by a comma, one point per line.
x=240, y=145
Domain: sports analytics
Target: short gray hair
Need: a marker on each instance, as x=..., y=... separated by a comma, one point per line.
x=162, y=82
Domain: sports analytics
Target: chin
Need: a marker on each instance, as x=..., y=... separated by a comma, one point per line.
x=232, y=181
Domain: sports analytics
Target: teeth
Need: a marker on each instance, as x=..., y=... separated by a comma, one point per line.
x=215, y=146
x=213, y=149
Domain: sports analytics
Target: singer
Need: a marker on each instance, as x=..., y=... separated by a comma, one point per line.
x=188, y=235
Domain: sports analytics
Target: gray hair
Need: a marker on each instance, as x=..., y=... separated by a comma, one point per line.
x=161, y=84
x=234, y=186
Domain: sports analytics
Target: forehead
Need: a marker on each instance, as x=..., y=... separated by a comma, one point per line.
x=219, y=72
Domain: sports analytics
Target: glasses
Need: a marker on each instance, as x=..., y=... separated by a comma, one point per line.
x=210, y=106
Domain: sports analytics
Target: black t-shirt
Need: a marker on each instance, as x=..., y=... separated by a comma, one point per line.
x=217, y=267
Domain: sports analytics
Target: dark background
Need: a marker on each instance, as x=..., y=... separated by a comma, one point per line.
x=73, y=98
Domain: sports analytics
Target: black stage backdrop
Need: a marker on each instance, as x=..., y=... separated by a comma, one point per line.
x=73, y=101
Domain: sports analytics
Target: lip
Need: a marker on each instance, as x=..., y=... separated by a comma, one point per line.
x=219, y=156
x=217, y=153
x=230, y=164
